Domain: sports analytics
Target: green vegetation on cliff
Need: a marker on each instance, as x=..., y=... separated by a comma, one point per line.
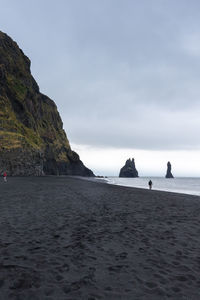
x=31, y=130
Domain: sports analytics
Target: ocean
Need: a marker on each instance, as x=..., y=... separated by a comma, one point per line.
x=178, y=185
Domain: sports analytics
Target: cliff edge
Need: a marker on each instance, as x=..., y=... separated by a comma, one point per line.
x=32, y=139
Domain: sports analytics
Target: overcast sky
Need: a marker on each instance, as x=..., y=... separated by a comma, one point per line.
x=125, y=75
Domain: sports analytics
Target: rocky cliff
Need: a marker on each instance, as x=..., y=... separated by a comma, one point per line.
x=129, y=169
x=169, y=173
x=32, y=139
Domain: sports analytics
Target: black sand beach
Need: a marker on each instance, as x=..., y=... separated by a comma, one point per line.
x=65, y=238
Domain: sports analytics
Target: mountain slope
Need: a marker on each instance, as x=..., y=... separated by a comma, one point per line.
x=32, y=139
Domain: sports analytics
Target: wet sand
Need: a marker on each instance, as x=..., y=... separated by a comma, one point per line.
x=66, y=238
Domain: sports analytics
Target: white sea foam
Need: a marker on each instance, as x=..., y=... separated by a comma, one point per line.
x=178, y=185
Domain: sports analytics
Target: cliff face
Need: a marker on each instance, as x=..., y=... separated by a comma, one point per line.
x=129, y=169
x=32, y=139
x=169, y=173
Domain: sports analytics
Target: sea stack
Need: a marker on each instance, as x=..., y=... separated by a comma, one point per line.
x=32, y=139
x=129, y=169
x=169, y=173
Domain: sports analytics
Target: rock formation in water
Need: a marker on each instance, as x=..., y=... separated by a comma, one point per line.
x=32, y=139
x=169, y=173
x=129, y=169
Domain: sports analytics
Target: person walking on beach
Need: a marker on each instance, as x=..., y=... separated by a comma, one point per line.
x=150, y=184
x=5, y=177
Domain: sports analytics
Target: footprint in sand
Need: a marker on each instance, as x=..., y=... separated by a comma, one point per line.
x=176, y=289
x=151, y=285
x=181, y=278
x=115, y=268
x=1, y=282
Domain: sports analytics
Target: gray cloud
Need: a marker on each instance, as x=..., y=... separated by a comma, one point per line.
x=122, y=73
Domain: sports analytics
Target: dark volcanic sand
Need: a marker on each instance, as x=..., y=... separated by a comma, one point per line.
x=65, y=238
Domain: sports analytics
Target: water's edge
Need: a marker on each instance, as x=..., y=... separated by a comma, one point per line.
x=183, y=185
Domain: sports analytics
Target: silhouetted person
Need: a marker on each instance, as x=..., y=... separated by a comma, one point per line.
x=5, y=177
x=150, y=184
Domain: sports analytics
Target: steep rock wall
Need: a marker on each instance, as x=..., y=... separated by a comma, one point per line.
x=32, y=139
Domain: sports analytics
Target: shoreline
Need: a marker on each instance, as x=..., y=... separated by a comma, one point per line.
x=68, y=238
x=103, y=180
x=173, y=189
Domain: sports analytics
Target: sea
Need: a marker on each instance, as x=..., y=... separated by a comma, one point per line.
x=178, y=185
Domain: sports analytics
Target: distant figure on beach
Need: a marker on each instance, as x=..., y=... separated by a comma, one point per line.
x=5, y=177
x=150, y=184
